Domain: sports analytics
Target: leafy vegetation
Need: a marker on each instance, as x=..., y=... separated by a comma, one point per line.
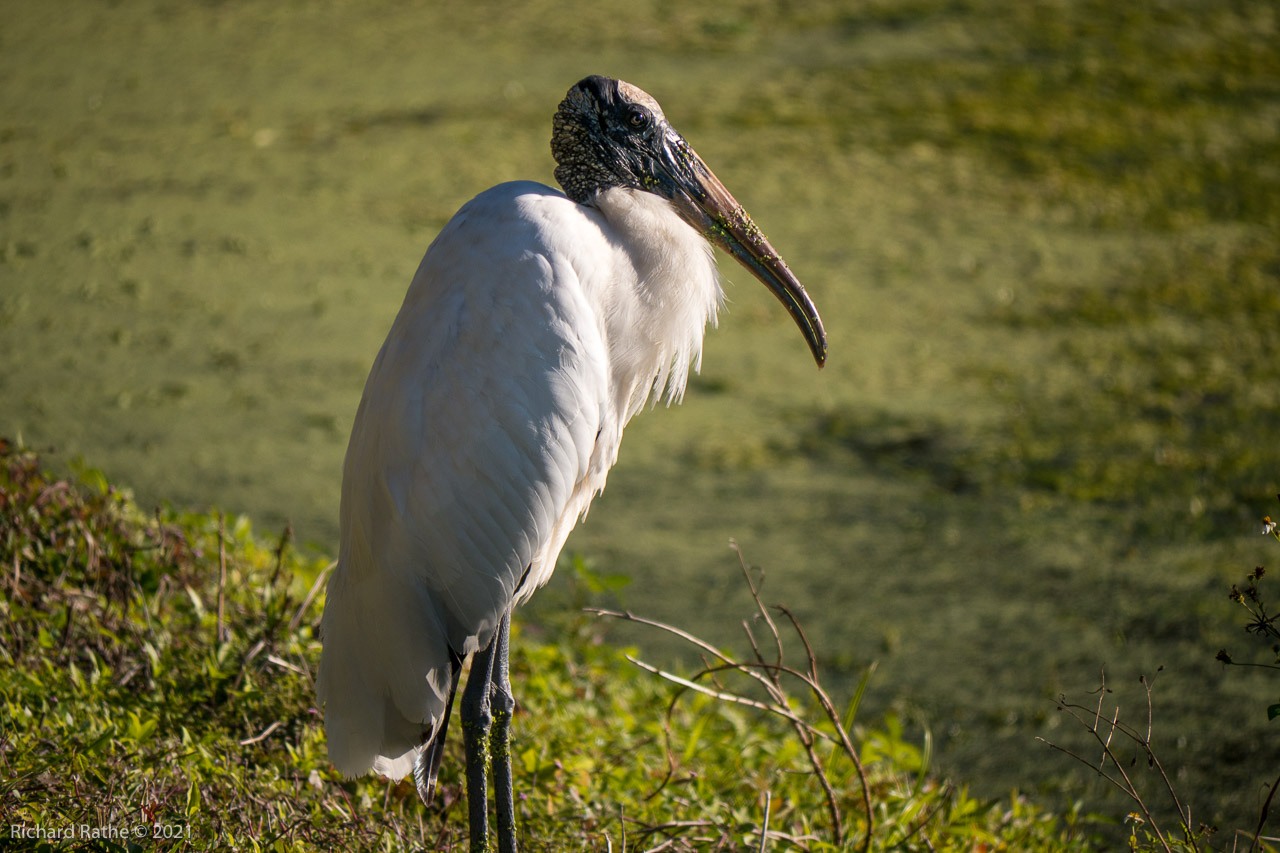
x=157, y=691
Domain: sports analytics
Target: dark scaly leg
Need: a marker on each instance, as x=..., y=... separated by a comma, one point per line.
x=503, y=706
x=477, y=720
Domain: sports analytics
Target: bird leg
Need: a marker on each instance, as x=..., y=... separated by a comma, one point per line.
x=487, y=706
x=477, y=719
x=503, y=706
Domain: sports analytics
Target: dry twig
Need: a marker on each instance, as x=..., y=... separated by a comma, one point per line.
x=769, y=675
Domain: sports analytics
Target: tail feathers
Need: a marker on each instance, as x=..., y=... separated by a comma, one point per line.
x=384, y=674
x=427, y=766
x=398, y=749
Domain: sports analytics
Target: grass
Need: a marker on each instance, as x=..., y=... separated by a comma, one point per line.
x=157, y=685
x=1041, y=236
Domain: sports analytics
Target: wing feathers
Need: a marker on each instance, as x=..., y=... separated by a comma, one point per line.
x=471, y=456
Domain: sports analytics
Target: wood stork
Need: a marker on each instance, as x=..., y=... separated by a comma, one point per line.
x=537, y=325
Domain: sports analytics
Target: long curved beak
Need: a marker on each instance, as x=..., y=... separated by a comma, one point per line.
x=705, y=204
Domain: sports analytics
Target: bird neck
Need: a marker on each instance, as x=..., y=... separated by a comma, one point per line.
x=659, y=320
x=581, y=159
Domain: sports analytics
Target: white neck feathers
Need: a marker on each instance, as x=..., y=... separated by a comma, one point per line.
x=657, y=323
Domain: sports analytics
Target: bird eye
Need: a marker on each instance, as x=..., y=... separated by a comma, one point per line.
x=637, y=117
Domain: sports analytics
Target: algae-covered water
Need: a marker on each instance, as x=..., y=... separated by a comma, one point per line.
x=1042, y=236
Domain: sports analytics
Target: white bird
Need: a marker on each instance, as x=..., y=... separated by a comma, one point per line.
x=537, y=325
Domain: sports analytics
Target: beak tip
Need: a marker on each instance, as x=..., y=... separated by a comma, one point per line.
x=817, y=342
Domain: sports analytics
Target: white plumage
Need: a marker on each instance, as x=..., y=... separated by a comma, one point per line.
x=536, y=326
x=534, y=329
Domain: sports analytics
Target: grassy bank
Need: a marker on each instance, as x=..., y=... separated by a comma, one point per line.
x=157, y=681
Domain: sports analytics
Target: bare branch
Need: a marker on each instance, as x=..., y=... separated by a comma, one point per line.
x=769, y=677
x=311, y=595
x=1262, y=815
x=266, y=733
x=718, y=694
x=219, y=634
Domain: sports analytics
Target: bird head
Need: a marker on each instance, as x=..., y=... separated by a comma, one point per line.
x=608, y=133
